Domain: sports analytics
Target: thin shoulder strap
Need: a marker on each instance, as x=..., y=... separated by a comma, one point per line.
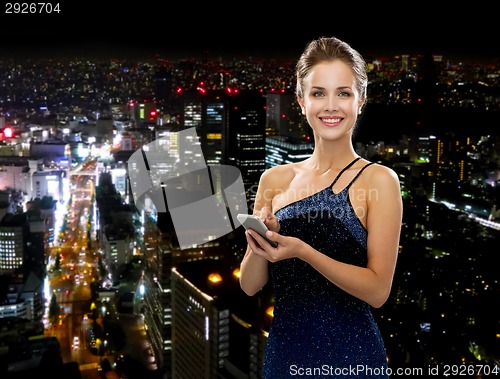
x=359, y=173
x=343, y=170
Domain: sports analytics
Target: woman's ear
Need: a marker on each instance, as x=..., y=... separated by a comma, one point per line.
x=301, y=103
x=361, y=107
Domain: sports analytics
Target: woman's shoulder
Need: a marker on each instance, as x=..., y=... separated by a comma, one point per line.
x=276, y=175
x=274, y=181
x=378, y=175
x=378, y=171
x=283, y=169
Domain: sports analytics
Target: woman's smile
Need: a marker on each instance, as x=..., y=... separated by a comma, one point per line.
x=331, y=121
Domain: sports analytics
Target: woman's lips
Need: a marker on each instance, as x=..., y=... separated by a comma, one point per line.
x=331, y=121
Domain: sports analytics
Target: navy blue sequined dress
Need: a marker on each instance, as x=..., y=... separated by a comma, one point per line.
x=319, y=330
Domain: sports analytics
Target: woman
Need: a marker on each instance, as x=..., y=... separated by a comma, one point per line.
x=336, y=218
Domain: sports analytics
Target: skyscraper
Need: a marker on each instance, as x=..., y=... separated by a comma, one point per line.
x=231, y=128
x=246, y=138
x=214, y=332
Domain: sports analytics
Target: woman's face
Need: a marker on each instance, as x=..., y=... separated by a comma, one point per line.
x=331, y=101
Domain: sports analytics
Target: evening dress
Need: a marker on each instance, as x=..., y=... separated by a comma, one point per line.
x=318, y=330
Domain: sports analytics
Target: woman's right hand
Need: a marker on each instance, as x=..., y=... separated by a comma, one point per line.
x=269, y=219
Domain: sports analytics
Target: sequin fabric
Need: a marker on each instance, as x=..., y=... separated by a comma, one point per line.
x=319, y=330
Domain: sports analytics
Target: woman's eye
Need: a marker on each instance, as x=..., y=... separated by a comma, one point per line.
x=317, y=94
x=344, y=94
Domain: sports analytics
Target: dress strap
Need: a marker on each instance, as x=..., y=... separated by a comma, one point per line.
x=343, y=170
x=359, y=173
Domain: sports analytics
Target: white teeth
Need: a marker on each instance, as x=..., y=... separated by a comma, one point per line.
x=331, y=120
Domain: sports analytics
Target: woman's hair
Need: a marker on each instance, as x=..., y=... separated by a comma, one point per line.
x=327, y=49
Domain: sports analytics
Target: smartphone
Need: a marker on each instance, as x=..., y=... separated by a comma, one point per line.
x=255, y=223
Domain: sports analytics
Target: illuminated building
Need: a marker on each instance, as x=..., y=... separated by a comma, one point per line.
x=214, y=328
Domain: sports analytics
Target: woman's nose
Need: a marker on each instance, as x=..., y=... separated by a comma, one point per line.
x=331, y=103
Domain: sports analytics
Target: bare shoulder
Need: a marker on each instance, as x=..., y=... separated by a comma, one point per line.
x=277, y=176
x=383, y=178
x=381, y=174
x=274, y=181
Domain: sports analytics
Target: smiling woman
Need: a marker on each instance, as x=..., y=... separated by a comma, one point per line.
x=336, y=220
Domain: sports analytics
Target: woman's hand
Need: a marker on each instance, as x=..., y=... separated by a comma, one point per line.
x=269, y=219
x=288, y=247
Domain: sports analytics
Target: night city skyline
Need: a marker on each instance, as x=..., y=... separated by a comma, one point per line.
x=438, y=134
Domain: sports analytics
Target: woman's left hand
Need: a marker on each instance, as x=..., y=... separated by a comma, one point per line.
x=288, y=247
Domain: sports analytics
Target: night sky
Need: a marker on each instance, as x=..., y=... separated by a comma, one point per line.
x=178, y=30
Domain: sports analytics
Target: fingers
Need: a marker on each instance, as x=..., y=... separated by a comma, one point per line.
x=263, y=248
x=265, y=213
x=272, y=223
x=268, y=217
x=255, y=239
x=254, y=245
x=268, y=239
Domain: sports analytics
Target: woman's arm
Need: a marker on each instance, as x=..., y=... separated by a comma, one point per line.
x=254, y=269
x=373, y=283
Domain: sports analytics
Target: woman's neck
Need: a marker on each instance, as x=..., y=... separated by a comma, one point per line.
x=331, y=156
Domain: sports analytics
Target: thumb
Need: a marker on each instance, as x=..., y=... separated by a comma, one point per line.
x=273, y=236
